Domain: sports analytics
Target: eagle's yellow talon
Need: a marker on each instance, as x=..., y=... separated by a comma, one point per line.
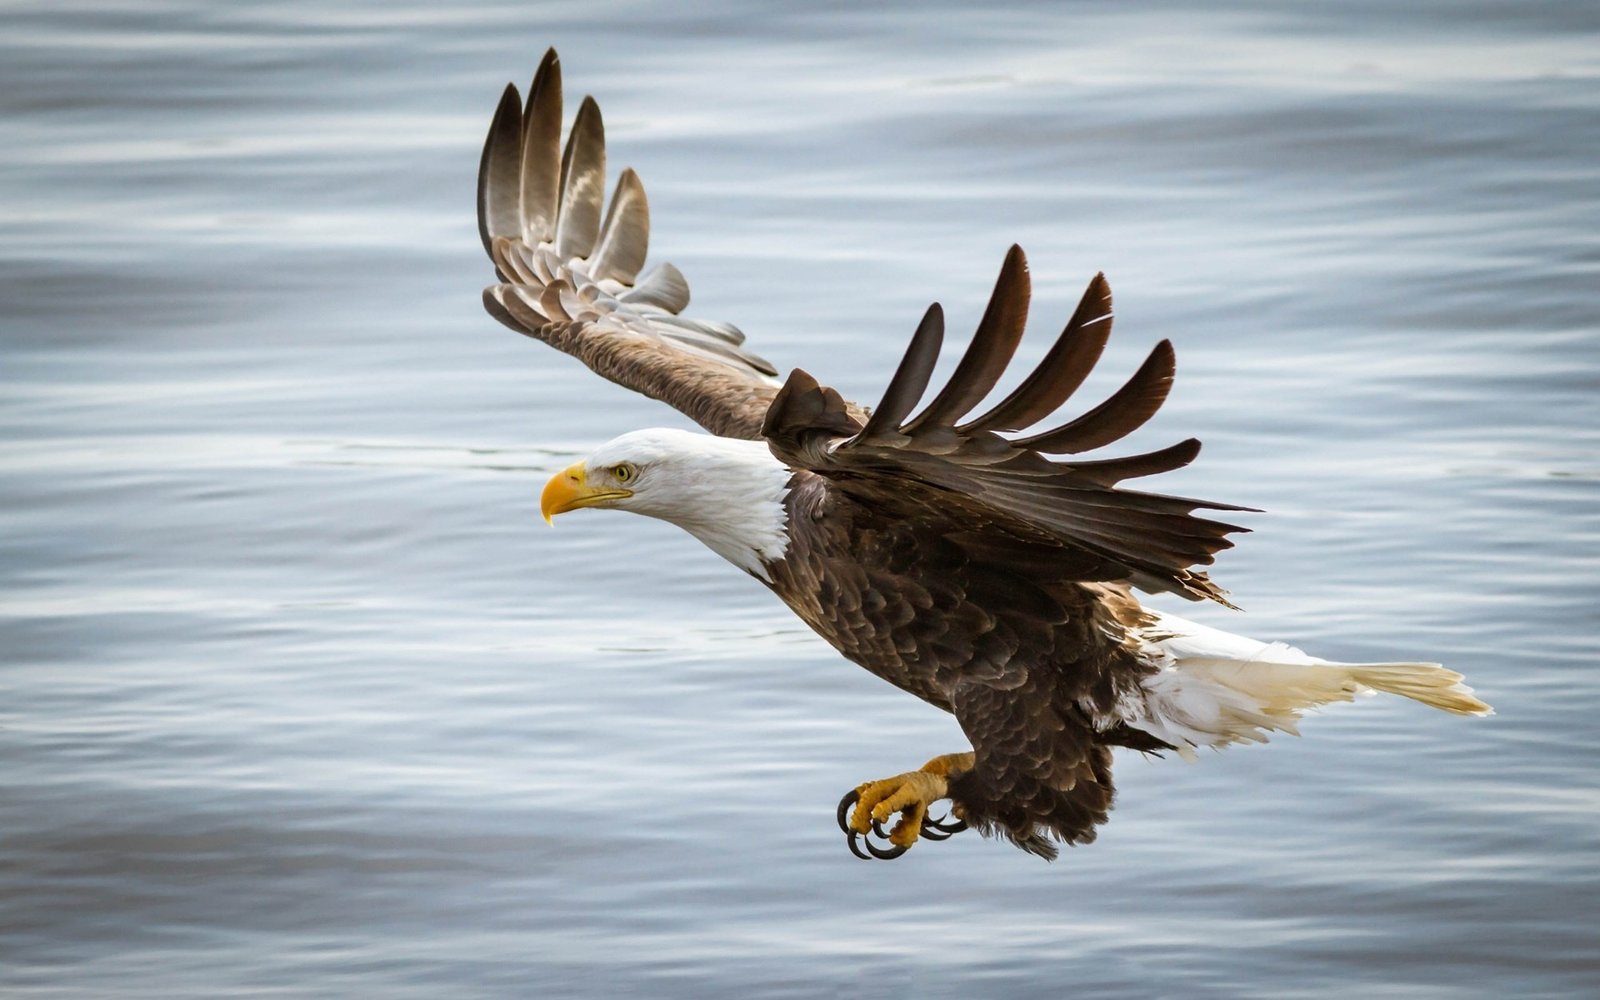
x=861, y=816
x=907, y=794
x=906, y=832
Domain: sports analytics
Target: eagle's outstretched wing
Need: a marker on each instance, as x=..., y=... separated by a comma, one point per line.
x=1004, y=497
x=572, y=279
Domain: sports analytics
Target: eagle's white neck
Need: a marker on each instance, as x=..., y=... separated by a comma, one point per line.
x=726, y=492
x=743, y=519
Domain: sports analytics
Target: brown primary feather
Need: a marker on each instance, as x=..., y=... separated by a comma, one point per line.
x=499, y=170
x=1065, y=366
x=583, y=181
x=991, y=348
x=539, y=189
x=1124, y=412
x=626, y=238
x=910, y=380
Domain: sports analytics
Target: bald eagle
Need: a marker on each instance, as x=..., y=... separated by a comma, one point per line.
x=975, y=561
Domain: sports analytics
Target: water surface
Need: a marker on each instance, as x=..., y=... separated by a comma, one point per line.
x=300, y=698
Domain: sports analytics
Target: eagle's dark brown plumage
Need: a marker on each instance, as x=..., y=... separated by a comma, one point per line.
x=972, y=560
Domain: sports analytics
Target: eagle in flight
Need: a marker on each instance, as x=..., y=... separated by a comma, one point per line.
x=977, y=561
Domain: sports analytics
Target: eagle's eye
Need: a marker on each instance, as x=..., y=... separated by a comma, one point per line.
x=623, y=473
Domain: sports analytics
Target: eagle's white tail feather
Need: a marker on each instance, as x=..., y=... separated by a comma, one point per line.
x=1428, y=683
x=1215, y=688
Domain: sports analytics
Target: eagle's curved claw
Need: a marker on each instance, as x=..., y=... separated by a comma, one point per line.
x=850, y=798
x=860, y=844
x=938, y=829
x=882, y=854
x=858, y=841
x=854, y=840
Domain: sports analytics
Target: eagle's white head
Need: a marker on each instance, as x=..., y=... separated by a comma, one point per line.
x=727, y=493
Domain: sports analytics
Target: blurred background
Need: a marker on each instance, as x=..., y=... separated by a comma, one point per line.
x=299, y=698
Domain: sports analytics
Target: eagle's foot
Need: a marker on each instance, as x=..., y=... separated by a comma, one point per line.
x=908, y=794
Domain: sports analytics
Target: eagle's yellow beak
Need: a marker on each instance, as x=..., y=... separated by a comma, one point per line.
x=569, y=489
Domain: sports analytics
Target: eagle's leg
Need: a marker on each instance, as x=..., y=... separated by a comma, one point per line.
x=908, y=794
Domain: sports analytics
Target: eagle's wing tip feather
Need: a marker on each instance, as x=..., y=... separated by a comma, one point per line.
x=545, y=197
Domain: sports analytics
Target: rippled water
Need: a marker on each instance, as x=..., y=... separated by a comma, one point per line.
x=300, y=698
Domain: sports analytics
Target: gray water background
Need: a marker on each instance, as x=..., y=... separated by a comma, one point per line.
x=299, y=698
